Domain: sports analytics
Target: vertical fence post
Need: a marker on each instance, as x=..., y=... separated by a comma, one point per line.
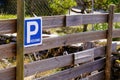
x=20, y=40
x=109, y=43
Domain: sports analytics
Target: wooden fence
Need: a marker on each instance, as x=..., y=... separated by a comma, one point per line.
x=9, y=50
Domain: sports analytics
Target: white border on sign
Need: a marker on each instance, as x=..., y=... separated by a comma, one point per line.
x=41, y=31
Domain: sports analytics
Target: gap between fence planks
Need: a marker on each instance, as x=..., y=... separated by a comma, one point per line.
x=56, y=42
x=10, y=26
x=55, y=62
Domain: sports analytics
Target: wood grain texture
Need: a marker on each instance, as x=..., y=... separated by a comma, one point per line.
x=10, y=25
x=100, y=51
x=71, y=39
x=116, y=33
x=44, y=65
x=97, y=76
x=7, y=50
x=116, y=17
x=56, y=42
x=20, y=40
x=74, y=20
x=67, y=40
x=109, y=43
x=53, y=22
x=7, y=74
x=76, y=71
x=84, y=56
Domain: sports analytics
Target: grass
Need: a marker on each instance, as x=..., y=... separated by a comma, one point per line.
x=66, y=30
x=7, y=16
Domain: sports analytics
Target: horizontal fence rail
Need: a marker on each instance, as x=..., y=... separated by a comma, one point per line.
x=57, y=41
x=9, y=26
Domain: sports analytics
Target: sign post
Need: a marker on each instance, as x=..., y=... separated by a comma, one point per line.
x=109, y=43
x=20, y=40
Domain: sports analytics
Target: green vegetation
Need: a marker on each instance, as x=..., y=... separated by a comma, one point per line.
x=104, y=26
x=66, y=30
x=61, y=6
x=10, y=16
x=117, y=3
x=116, y=25
x=102, y=4
x=7, y=16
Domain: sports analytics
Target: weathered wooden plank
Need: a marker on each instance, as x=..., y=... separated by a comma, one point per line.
x=116, y=33
x=7, y=50
x=71, y=39
x=84, y=56
x=8, y=26
x=67, y=40
x=48, y=64
x=76, y=71
x=74, y=20
x=98, y=51
x=109, y=43
x=96, y=76
x=116, y=17
x=53, y=22
x=57, y=41
x=7, y=74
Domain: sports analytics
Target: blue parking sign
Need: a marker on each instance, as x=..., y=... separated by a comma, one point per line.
x=33, y=31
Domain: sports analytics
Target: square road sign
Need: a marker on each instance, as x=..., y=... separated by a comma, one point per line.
x=33, y=31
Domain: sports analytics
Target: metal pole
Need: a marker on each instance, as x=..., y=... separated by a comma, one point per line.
x=20, y=40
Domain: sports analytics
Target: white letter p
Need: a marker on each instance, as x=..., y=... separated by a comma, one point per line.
x=29, y=32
